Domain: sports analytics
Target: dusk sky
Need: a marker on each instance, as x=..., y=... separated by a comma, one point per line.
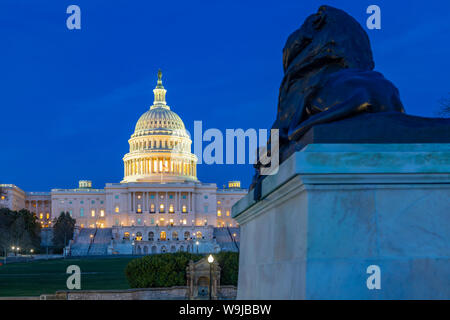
x=70, y=99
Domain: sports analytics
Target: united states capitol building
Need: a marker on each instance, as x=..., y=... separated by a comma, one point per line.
x=159, y=206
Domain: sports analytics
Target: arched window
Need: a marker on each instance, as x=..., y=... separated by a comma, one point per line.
x=162, y=236
x=173, y=249
x=163, y=249
x=138, y=236
x=199, y=235
x=151, y=236
x=174, y=235
x=126, y=235
x=186, y=235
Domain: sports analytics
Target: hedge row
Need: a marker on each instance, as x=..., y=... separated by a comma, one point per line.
x=169, y=269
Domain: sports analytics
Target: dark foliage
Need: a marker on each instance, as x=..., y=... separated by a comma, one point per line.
x=63, y=230
x=20, y=229
x=169, y=269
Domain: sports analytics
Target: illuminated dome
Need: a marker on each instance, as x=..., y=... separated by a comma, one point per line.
x=160, y=148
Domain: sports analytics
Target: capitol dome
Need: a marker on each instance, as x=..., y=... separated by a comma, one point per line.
x=160, y=147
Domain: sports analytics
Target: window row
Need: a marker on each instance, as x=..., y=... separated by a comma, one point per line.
x=162, y=236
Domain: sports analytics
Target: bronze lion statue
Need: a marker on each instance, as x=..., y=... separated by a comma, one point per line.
x=328, y=76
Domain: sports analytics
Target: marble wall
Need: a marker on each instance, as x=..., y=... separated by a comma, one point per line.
x=333, y=211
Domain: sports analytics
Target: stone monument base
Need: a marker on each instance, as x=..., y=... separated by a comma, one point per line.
x=333, y=210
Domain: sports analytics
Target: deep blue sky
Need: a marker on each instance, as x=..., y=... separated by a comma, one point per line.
x=70, y=99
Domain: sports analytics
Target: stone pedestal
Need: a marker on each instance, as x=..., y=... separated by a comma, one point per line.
x=333, y=210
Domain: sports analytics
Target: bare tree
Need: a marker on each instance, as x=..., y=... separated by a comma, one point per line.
x=444, y=106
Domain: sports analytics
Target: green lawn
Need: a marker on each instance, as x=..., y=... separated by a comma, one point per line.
x=47, y=276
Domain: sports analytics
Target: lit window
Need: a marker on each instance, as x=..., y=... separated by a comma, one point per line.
x=138, y=236
x=161, y=208
x=184, y=221
x=139, y=209
x=102, y=213
x=184, y=209
x=162, y=236
x=41, y=216
x=171, y=208
x=199, y=235
x=228, y=213
x=93, y=213
x=139, y=197
x=152, y=208
x=117, y=209
x=126, y=235
x=47, y=216
x=218, y=202
x=3, y=197
x=219, y=213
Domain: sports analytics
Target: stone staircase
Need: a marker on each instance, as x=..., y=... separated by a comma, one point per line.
x=91, y=242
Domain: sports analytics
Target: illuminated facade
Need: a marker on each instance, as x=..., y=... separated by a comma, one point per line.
x=159, y=196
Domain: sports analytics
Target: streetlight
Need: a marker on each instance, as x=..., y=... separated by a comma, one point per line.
x=31, y=252
x=197, y=243
x=210, y=261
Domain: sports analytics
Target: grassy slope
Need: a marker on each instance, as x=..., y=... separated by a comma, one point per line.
x=38, y=277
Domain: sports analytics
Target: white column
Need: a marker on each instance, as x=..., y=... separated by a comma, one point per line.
x=166, y=206
x=129, y=204
x=145, y=201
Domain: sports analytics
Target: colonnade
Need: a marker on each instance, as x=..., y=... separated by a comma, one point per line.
x=150, y=165
x=144, y=200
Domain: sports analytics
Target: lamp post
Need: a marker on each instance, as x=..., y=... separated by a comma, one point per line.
x=197, y=243
x=210, y=261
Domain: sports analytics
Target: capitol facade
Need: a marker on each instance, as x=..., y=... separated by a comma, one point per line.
x=159, y=206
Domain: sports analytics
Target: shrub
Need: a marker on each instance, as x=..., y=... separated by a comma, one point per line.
x=229, y=264
x=159, y=270
x=169, y=269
